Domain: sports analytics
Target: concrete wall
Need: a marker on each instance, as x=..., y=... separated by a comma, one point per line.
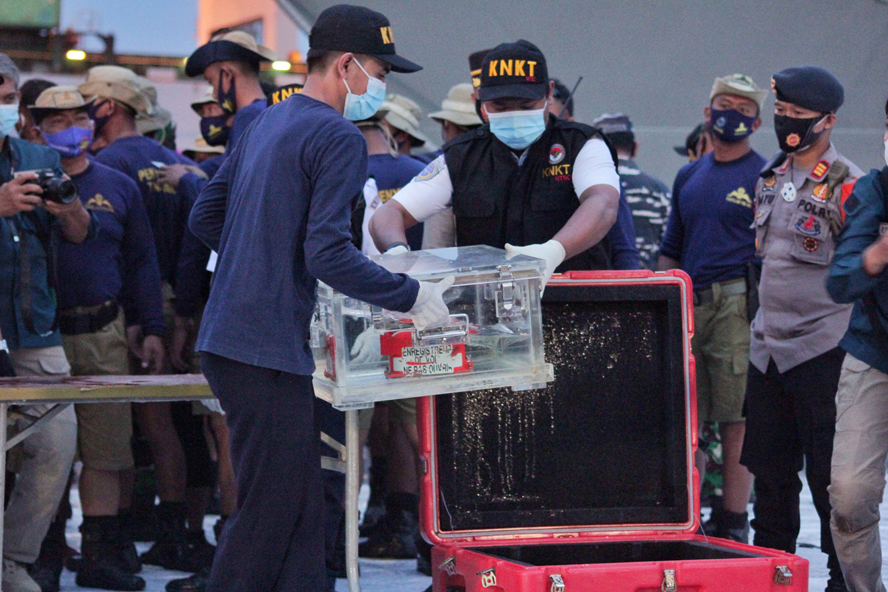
x=656, y=59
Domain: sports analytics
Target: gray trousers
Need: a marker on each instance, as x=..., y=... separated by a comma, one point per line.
x=858, y=473
x=46, y=462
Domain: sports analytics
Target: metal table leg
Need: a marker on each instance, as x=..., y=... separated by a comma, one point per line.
x=352, y=488
x=3, y=410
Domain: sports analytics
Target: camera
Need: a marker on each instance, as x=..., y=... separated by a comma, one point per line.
x=55, y=188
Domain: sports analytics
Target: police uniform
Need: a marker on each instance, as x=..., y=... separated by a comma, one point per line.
x=498, y=197
x=794, y=356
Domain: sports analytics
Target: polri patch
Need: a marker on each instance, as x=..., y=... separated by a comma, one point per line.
x=820, y=193
x=809, y=226
x=556, y=154
x=432, y=169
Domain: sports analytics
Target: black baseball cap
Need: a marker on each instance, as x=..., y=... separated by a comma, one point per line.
x=514, y=70
x=690, y=141
x=357, y=29
x=476, y=60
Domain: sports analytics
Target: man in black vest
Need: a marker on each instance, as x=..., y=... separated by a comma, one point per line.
x=524, y=178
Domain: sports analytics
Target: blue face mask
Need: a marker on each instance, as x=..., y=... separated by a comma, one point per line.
x=70, y=142
x=729, y=125
x=9, y=116
x=359, y=107
x=518, y=129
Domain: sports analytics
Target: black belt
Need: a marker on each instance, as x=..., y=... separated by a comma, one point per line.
x=89, y=322
x=729, y=288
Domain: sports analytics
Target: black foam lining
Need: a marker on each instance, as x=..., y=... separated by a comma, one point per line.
x=625, y=552
x=605, y=443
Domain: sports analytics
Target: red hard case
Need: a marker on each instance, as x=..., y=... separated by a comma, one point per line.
x=587, y=485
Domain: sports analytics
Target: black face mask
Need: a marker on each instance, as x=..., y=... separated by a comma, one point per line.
x=98, y=122
x=794, y=134
x=214, y=130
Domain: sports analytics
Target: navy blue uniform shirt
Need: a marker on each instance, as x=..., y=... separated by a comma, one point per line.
x=391, y=173
x=847, y=281
x=138, y=158
x=621, y=239
x=278, y=212
x=34, y=230
x=242, y=120
x=710, y=226
x=120, y=262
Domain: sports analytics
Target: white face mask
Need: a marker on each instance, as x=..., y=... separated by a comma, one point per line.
x=9, y=116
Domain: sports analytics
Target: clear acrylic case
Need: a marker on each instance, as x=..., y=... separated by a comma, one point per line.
x=494, y=339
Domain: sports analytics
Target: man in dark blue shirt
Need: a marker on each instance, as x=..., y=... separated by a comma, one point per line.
x=229, y=62
x=272, y=251
x=118, y=98
x=709, y=235
x=99, y=281
x=29, y=226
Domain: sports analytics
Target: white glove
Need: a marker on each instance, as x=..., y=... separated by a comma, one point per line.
x=551, y=252
x=429, y=309
x=397, y=250
x=367, y=348
x=213, y=405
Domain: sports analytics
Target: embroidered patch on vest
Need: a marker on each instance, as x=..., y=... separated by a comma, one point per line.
x=556, y=154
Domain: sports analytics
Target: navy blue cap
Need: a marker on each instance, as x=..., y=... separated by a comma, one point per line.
x=514, y=70
x=613, y=123
x=234, y=46
x=809, y=87
x=357, y=29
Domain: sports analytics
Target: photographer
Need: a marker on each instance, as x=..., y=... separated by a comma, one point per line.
x=99, y=282
x=29, y=227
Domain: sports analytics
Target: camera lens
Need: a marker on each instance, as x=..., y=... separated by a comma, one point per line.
x=60, y=190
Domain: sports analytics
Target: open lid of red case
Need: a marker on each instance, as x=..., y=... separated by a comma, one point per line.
x=605, y=449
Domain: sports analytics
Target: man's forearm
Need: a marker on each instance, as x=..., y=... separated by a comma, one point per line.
x=665, y=263
x=75, y=225
x=388, y=225
x=591, y=222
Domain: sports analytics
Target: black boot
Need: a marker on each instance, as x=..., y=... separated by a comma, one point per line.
x=733, y=526
x=196, y=583
x=99, y=549
x=127, y=556
x=376, y=504
x=171, y=550
x=395, y=537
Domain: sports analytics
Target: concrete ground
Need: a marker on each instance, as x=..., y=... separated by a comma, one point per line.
x=401, y=576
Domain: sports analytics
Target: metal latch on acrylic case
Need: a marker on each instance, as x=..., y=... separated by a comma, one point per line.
x=557, y=583
x=669, y=583
x=505, y=291
x=456, y=331
x=783, y=576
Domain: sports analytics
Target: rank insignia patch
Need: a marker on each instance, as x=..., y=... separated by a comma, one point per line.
x=819, y=171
